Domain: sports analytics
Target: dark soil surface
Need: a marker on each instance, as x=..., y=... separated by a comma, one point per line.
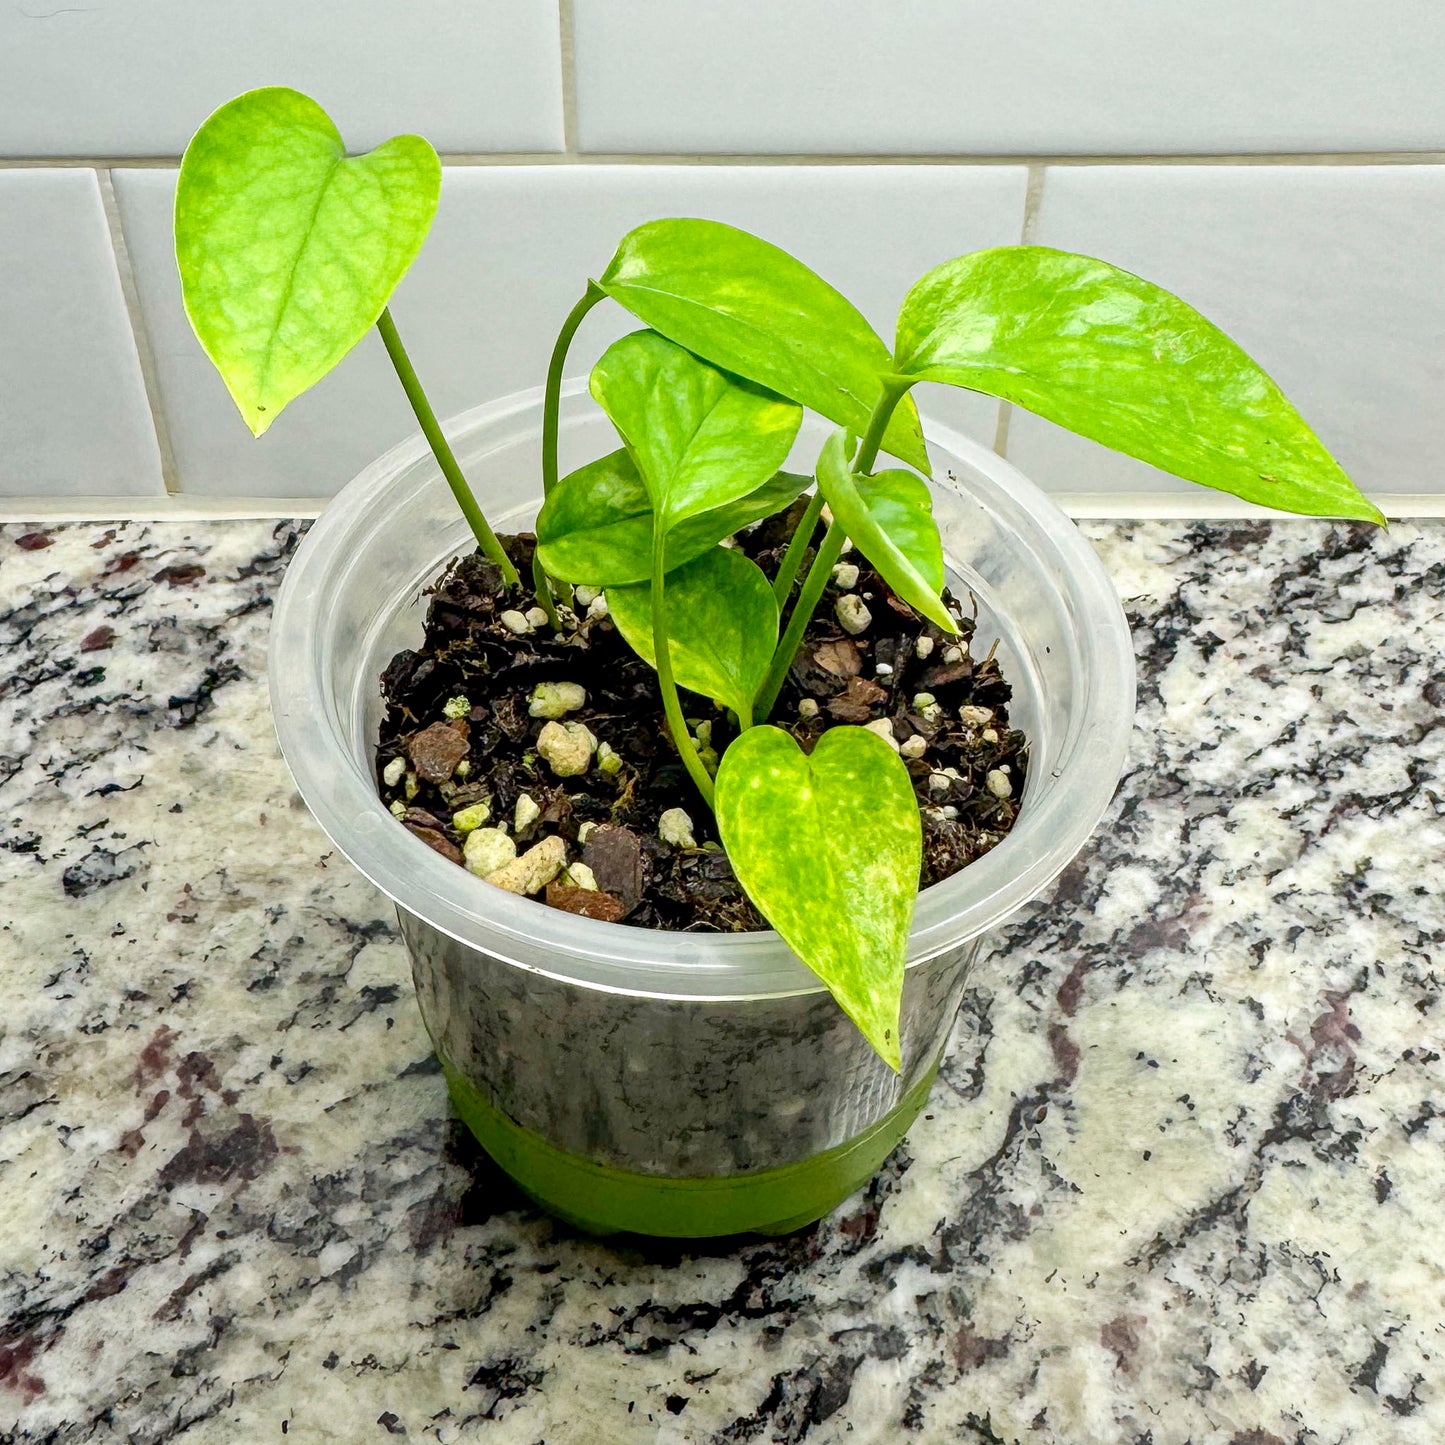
x=470, y=653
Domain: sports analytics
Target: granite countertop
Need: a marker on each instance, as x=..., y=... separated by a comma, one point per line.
x=1180, y=1180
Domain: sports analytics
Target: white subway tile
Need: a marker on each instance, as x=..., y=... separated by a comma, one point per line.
x=983, y=77
x=508, y=256
x=73, y=414
x=1327, y=275
x=136, y=80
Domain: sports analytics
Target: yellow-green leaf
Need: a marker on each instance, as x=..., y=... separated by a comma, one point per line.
x=829, y=846
x=596, y=525
x=698, y=437
x=889, y=518
x=751, y=308
x=288, y=248
x=722, y=625
x=1123, y=362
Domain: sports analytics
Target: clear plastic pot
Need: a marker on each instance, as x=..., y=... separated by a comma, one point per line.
x=680, y=1084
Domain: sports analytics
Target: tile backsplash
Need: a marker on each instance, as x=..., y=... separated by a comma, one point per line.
x=1291, y=188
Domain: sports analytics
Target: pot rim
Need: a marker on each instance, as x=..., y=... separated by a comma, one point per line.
x=616, y=957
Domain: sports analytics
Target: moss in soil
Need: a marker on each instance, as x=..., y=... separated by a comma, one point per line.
x=444, y=757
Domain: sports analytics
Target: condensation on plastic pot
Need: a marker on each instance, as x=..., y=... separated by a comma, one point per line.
x=355, y=594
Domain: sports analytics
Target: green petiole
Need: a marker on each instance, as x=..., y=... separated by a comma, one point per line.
x=797, y=549
x=829, y=550
x=441, y=448
x=551, y=410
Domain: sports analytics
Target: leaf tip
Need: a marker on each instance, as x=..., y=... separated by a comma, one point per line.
x=255, y=416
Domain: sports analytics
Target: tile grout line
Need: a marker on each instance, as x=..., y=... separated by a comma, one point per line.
x=567, y=32
x=803, y=158
x=1095, y=506
x=1028, y=226
x=140, y=335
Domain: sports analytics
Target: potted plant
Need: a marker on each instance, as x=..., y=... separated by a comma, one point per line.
x=677, y=588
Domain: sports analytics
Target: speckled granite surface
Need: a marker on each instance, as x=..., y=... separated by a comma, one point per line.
x=1181, y=1179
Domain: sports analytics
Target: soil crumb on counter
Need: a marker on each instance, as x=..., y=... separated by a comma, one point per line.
x=539, y=759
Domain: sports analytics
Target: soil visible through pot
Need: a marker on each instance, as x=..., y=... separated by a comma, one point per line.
x=459, y=738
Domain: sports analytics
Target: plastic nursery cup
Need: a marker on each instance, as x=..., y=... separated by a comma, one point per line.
x=680, y=1084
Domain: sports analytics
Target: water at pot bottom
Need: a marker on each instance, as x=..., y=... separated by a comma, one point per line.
x=686, y=1118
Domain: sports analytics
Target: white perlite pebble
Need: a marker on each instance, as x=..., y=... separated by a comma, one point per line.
x=597, y=607
x=456, y=707
x=989, y=735
x=675, y=827
x=579, y=875
x=394, y=772
x=975, y=717
x=881, y=727
x=939, y=782
x=534, y=870
x=556, y=699
x=525, y=813
x=487, y=849
x=853, y=617
x=954, y=653
x=845, y=574
x=807, y=709
x=914, y=747
x=567, y=748
x=398, y=809
x=537, y=616
x=883, y=669
x=923, y=648
x=609, y=760
x=585, y=595
x=998, y=784
x=515, y=622
x=585, y=830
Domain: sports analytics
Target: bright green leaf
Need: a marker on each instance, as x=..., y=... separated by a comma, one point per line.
x=1123, y=362
x=596, y=524
x=753, y=309
x=829, y=846
x=698, y=437
x=889, y=518
x=722, y=624
x=288, y=249
x=901, y=507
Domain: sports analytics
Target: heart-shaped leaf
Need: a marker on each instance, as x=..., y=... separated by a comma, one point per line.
x=596, y=524
x=698, y=437
x=1123, y=362
x=722, y=625
x=755, y=310
x=829, y=846
x=890, y=520
x=288, y=248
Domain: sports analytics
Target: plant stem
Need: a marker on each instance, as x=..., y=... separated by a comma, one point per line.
x=797, y=547
x=895, y=388
x=662, y=650
x=551, y=409
x=829, y=550
x=552, y=393
x=441, y=448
